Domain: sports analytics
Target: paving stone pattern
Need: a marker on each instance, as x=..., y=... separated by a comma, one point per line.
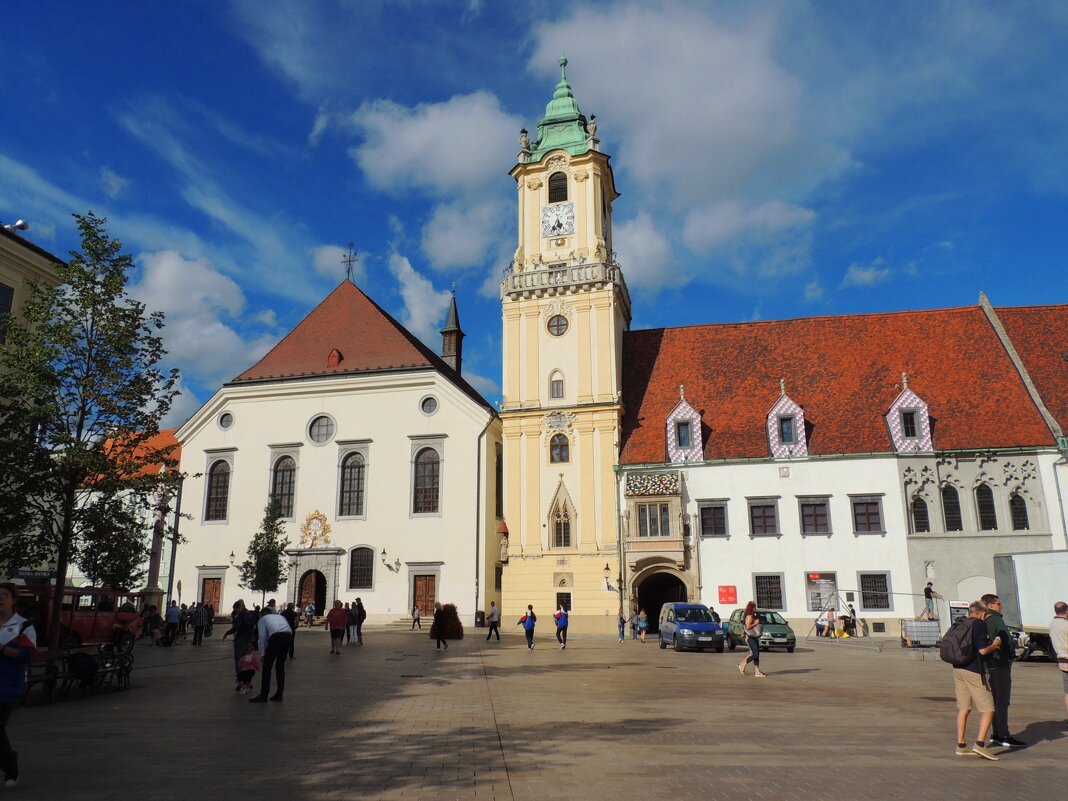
x=601, y=721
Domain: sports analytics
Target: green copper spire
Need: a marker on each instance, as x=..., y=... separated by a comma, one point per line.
x=564, y=125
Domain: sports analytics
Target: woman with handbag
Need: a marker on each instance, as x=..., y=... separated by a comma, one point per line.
x=754, y=627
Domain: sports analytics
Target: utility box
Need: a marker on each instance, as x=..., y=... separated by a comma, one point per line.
x=920, y=633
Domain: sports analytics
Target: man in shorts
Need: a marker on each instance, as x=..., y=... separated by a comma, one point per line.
x=930, y=611
x=971, y=686
x=1058, y=634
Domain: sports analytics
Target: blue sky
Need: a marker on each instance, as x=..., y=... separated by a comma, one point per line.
x=775, y=159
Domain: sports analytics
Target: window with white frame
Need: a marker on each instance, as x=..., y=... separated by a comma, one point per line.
x=353, y=482
x=763, y=517
x=426, y=482
x=875, y=591
x=867, y=514
x=654, y=520
x=284, y=484
x=786, y=430
x=713, y=518
x=218, y=491
x=908, y=424
x=556, y=385
x=768, y=591
x=361, y=568
x=815, y=515
x=684, y=433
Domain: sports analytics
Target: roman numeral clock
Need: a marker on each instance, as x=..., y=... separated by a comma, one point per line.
x=558, y=219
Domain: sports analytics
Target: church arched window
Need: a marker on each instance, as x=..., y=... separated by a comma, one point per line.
x=1018, y=509
x=951, y=508
x=558, y=187
x=352, y=483
x=561, y=523
x=361, y=568
x=556, y=385
x=559, y=449
x=984, y=501
x=427, y=481
x=283, y=484
x=218, y=491
x=921, y=521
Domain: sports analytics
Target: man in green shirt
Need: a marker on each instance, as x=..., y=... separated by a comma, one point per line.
x=999, y=672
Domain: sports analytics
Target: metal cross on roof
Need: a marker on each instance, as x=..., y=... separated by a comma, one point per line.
x=349, y=260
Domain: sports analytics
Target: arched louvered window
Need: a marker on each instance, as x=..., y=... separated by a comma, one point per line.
x=1018, y=508
x=426, y=482
x=218, y=491
x=559, y=449
x=352, y=483
x=561, y=523
x=951, y=509
x=361, y=568
x=921, y=521
x=984, y=502
x=283, y=484
x=558, y=187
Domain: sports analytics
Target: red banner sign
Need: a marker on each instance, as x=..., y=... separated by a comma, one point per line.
x=728, y=594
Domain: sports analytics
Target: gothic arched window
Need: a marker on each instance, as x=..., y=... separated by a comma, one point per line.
x=283, y=484
x=984, y=502
x=951, y=508
x=561, y=523
x=1018, y=508
x=426, y=482
x=558, y=187
x=559, y=449
x=921, y=521
x=361, y=568
x=218, y=491
x=352, y=482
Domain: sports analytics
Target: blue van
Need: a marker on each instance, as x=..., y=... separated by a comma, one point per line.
x=689, y=626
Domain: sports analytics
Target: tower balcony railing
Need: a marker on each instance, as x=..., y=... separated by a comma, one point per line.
x=540, y=277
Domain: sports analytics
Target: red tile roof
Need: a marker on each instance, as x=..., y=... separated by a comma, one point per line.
x=165, y=441
x=1040, y=336
x=844, y=371
x=365, y=336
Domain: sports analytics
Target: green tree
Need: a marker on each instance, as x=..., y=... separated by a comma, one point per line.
x=113, y=545
x=81, y=397
x=265, y=567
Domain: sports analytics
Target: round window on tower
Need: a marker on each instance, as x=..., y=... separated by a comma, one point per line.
x=428, y=405
x=226, y=419
x=321, y=430
x=558, y=325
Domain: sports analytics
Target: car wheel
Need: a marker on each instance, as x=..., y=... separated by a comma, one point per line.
x=731, y=643
x=719, y=648
x=663, y=645
x=675, y=644
x=790, y=649
x=124, y=642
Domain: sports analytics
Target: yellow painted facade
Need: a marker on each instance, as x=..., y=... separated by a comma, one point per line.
x=565, y=307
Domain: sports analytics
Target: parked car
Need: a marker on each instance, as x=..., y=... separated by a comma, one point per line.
x=89, y=616
x=689, y=626
x=777, y=632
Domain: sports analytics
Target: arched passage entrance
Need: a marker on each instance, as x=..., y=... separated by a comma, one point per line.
x=313, y=590
x=657, y=589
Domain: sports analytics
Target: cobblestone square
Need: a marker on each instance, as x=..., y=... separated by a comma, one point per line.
x=601, y=720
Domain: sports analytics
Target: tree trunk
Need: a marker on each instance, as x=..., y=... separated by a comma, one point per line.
x=66, y=535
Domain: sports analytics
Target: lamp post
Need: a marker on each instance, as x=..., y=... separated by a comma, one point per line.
x=607, y=575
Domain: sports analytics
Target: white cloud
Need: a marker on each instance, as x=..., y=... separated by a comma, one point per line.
x=460, y=234
x=182, y=408
x=646, y=253
x=326, y=259
x=424, y=306
x=112, y=183
x=871, y=274
x=711, y=226
x=198, y=300
x=814, y=291
x=487, y=387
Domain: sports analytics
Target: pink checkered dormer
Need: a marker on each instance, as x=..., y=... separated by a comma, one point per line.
x=785, y=426
x=908, y=421
x=683, y=430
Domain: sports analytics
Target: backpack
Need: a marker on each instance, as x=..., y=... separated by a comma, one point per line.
x=957, y=646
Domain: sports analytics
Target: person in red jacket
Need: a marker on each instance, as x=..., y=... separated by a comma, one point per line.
x=18, y=647
x=336, y=620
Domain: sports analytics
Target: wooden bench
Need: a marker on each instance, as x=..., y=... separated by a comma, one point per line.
x=93, y=667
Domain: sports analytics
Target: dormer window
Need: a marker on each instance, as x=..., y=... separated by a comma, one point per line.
x=683, y=434
x=908, y=424
x=786, y=430
x=558, y=187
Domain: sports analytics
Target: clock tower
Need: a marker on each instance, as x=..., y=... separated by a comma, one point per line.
x=565, y=307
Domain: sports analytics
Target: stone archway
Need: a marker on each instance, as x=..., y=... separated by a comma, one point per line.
x=654, y=588
x=313, y=590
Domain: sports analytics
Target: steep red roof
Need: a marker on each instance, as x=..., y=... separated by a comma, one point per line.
x=844, y=371
x=349, y=333
x=164, y=442
x=1040, y=336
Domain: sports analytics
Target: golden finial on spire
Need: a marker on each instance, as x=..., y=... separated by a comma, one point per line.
x=682, y=392
x=904, y=380
x=782, y=387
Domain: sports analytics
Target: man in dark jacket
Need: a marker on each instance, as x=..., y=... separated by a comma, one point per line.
x=999, y=671
x=289, y=614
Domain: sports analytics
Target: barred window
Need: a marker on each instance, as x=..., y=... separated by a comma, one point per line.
x=951, y=509
x=218, y=491
x=352, y=485
x=361, y=568
x=921, y=521
x=1018, y=508
x=283, y=484
x=558, y=187
x=427, y=480
x=563, y=601
x=815, y=518
x=988, y=515
x=713, y=520
x=768, y=591
x=653, y=520
x=875, y=590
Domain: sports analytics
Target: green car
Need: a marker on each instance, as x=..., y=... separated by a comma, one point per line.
x=777, y=632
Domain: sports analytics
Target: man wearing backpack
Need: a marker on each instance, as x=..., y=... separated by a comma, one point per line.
x=999, y=671
x=964, y=646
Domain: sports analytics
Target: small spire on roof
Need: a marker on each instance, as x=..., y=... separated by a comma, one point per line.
x=563, y=67
x=349, y=260
x=682, y=392
x=782, y=387
x=904, y=380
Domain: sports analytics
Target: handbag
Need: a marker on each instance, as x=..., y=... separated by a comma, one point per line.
x=756, y=630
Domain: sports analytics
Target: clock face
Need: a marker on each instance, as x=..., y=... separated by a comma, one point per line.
x=558, y=219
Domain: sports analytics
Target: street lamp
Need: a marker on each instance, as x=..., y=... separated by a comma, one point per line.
x=233, y=559
x=607, y=575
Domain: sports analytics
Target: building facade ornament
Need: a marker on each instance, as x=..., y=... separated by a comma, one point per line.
x=315, y=530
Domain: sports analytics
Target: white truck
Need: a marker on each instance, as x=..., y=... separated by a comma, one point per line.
x=1029, y=584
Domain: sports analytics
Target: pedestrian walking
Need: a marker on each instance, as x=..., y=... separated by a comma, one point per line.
x=361, y=615
x=154, y=626
x=643, y=624
x=199, y=617
x=439, y=628
x=350, y=624
x=970, y=683
x=494, y=618
x=18, y=647
x=622, y=622
x=309, y=614
x=274, y=636
x=999, y=671
x=336, y=620
x=528, y=621
x=174, y=617
x=633, y=620
x=930, y=609
x=753, y=627
x=1058, y=634
x=417, y=622
x=561, y=626
x=289, y=615
x=241, y=629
